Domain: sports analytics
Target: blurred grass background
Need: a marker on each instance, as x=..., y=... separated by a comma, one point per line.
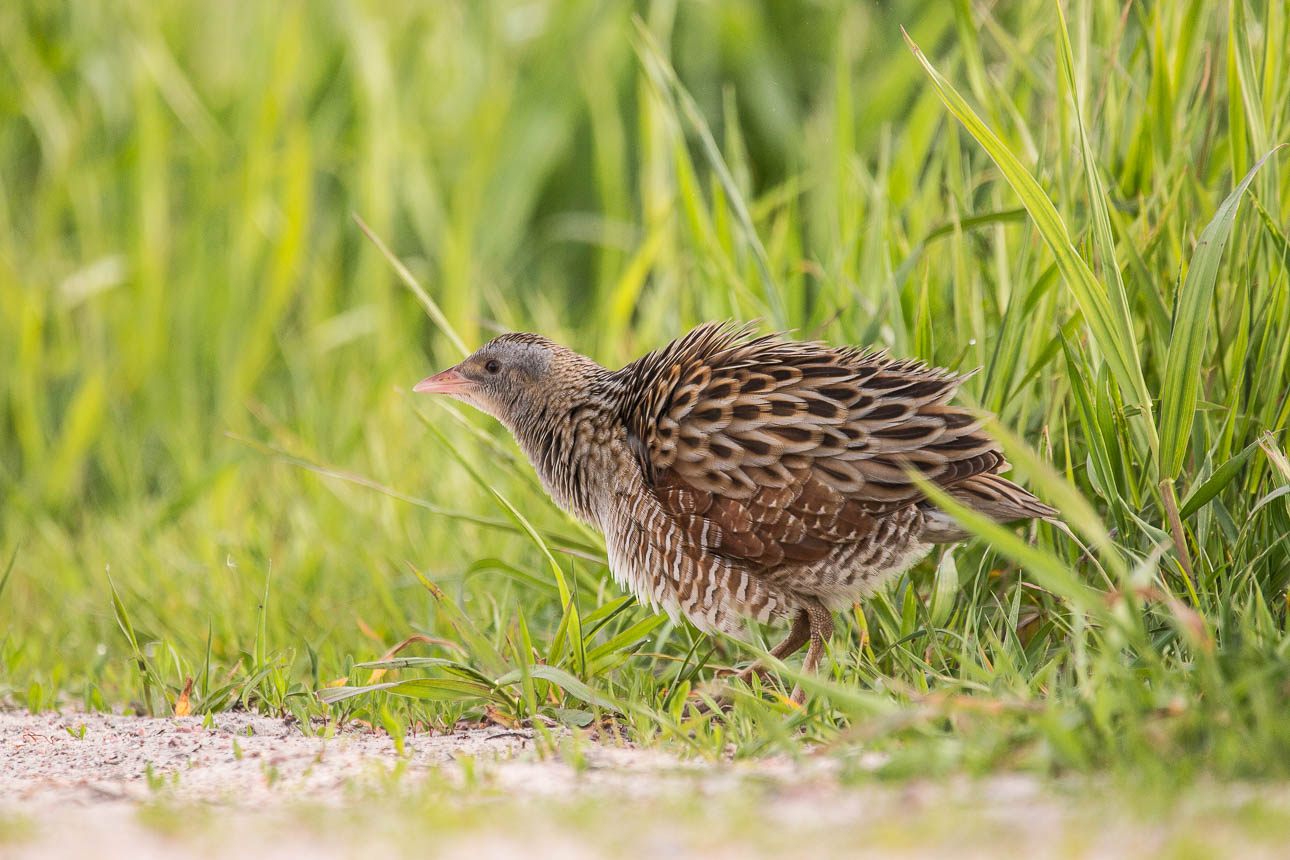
x=191, y=320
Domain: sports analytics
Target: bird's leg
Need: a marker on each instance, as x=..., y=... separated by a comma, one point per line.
x=821, y=628
x=796, y=638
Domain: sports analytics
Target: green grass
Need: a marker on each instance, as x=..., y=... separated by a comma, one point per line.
x=212, y=467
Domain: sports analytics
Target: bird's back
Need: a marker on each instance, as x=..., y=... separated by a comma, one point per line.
x=791, y=463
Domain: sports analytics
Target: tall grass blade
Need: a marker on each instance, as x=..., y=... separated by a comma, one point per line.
x=567, y=597
x=1104, y=239
x=1191, y=329
x=1215, y=483
x=8, y=569
x=475, y=642
x=431, y=306
x=669, y=85
x=1111, y=330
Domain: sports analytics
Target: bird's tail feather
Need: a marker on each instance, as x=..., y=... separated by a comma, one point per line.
x=997, y=498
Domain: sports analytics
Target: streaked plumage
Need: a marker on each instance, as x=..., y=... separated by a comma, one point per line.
x=737, y=476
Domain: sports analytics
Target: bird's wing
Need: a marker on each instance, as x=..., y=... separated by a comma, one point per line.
x=772, y=451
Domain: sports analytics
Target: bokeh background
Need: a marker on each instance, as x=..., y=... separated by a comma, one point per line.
x=206, y=364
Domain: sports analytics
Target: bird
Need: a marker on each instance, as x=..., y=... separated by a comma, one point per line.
x=740, y=476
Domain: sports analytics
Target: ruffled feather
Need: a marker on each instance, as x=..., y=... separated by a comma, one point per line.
x=775, y=452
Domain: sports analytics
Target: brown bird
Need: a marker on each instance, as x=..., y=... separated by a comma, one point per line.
x=737, y=476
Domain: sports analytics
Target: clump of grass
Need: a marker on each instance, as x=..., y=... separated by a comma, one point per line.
x=209, y=362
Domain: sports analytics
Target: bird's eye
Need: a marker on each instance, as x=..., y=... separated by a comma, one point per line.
x=493, y=365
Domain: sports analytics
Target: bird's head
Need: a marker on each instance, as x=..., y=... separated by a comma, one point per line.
x=535, y=387
x=517, y=378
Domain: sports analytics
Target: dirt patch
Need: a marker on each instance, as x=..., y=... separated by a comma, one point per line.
x=137, y=786
x=119, y=786
x=242, y=760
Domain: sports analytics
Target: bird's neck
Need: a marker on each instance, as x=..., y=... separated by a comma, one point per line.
x=571, y=437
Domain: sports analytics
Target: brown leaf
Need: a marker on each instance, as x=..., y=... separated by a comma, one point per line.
x=183, y=707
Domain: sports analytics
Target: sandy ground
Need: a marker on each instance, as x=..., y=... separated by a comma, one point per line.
x=255, y=786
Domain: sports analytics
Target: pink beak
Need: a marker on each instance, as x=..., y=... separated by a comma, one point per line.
x=449, y=381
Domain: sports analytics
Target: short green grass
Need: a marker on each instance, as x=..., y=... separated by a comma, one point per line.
x=213, y=468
